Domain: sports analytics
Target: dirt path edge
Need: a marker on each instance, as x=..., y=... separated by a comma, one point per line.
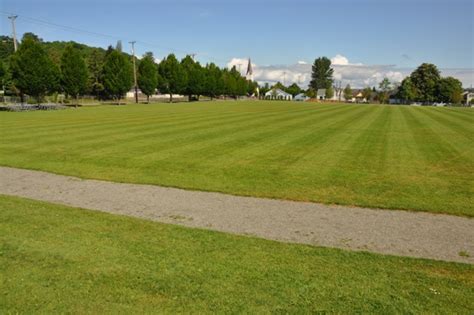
x=396, y=232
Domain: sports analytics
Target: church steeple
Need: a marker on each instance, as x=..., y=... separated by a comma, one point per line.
x=249, y=73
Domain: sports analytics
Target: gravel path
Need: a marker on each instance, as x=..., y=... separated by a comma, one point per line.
x=404, y=233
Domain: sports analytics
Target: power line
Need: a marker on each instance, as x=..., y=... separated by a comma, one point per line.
x=98, y=34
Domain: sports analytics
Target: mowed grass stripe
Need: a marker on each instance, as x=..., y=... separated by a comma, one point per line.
x=368, y=155
x=303, y=168
x=177, y=130
x=453, y=127
x=301, y=141
x=442, y=177
x=354, y=174
x=123, y=131
x=194, y=133
x=124, y=122
x=252, y=137
x=465, y=114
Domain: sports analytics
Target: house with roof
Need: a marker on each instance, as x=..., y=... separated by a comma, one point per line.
x=278, y=94
x=321, y=94
x=468, y=97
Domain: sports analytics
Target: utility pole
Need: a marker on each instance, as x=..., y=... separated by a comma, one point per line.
x=134, y=71
x=13, y=18
x=284, y=78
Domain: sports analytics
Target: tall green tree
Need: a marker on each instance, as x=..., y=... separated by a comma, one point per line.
x=230, y=82
x=147, y=75
x=74, y=73
x=172, y=77
x=293, y=89
x=385, y=86
x=407, y=90
x=213, y=85
x=252, y=88
x=95, y=64
x=348, y=92
x=117, y=74
x=449, y=90
x=33, y=72
x=195, y=77
x=425, y=79
x=321, y=76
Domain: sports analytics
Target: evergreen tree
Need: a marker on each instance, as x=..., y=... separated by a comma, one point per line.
x=147, y=75
x=33, y=72
x=321, y=77
x=117, y=74
x=74, y=73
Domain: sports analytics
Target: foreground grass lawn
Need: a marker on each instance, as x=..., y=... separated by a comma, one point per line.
x=60, y=259
x=365, y=155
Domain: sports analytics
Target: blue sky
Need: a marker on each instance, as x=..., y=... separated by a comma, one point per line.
x=386, y=32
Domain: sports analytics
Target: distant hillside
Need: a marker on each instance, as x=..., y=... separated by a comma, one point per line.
x=54, y=49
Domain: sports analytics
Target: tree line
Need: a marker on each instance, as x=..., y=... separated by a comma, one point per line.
x=38, y=69
x=425, y=84
x=109, y=75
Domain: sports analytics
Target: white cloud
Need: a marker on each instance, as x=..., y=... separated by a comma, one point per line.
x=301, y=62
x=339, y=60
x=356, y=74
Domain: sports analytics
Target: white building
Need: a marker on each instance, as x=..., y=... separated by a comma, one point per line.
x=467, y=97
x=278, y=94
x=321, y=94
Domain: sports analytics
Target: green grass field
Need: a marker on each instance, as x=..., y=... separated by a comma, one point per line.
x=56, y=259
x=367, y=155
